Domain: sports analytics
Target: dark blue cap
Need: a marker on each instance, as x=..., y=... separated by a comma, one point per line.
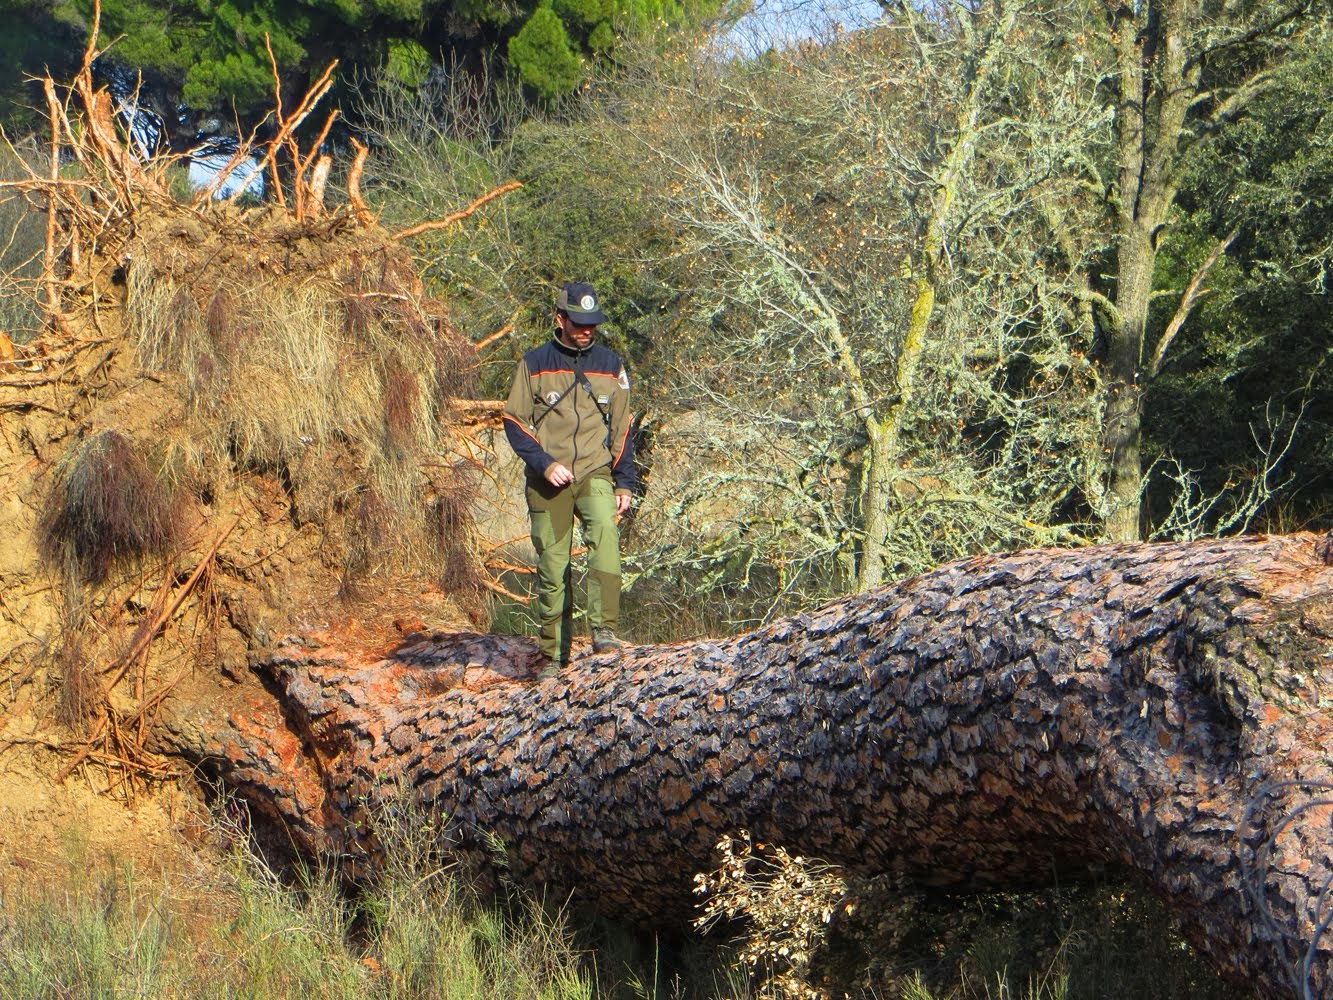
x=580, y=303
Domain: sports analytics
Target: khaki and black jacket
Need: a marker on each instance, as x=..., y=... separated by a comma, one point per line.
x=552, y=416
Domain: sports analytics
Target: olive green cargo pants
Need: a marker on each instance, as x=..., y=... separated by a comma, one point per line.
x=593, y=501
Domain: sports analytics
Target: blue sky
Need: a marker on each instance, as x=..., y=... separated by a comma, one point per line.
x=775, y=22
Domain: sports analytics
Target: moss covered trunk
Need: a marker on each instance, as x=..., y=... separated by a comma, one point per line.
x=1002, y=721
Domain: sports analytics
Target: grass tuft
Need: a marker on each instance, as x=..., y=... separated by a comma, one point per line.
x=104, y=506
x=341, y=376
x=80, y=690
x=453, y=540
x=419, y=929
x=401, y=405
x=225, y=334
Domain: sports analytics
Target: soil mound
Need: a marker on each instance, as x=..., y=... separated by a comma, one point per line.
x=239, y=425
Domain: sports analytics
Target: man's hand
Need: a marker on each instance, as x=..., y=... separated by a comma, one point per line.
x=623, y=500
x=558, y=475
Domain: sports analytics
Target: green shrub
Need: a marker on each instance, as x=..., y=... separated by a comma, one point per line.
x=22, y=241
x=806, y=930
x=542, y=55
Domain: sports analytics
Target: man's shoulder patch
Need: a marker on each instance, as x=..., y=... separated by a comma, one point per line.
x=624, y=380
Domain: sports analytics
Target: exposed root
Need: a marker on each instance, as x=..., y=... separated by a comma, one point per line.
x=107, y=728
x=449, y=220
x=280, y=360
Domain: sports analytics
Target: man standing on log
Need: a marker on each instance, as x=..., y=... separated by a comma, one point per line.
x=568, y=419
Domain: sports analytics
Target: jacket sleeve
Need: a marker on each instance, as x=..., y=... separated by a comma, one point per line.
x=518, y=423
x=621, y=441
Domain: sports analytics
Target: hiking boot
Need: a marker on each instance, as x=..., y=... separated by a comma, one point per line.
x=548, y=666
x=605, y=641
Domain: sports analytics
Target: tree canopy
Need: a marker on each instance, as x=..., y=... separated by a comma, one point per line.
x=875, y=278
x=212, y=54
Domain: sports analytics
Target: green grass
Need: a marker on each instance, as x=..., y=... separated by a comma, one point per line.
x=98, y=928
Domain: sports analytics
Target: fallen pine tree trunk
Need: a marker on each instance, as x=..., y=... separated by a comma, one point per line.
x=998, y=722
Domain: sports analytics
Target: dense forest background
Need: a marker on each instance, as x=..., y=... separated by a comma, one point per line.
x=898, y=282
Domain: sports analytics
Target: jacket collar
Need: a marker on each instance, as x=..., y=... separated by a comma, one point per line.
x=571, y=352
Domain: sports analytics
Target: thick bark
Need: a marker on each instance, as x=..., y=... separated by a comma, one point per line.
x=998, y=722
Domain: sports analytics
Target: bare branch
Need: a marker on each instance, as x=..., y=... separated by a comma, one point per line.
x=449, y=220
x=1254, y=33
x=1193, y=292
